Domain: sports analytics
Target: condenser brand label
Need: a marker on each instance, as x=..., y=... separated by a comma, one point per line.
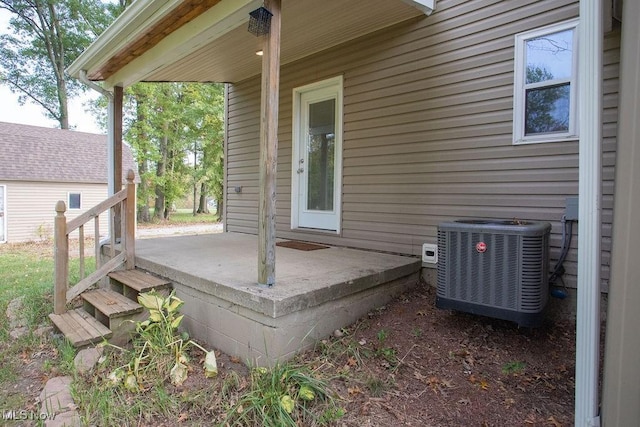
x=481, y=247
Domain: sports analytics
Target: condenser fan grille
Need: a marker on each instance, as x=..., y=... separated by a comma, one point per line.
x=494, y=268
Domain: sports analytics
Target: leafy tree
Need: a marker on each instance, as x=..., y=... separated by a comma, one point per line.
x=203, y=118
x=45, y=37
x=175, y=130
x=542, y=113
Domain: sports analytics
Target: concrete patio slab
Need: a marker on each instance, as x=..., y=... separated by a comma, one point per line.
x=315, y=293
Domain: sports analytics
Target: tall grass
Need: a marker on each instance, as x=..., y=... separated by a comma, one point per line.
x=27, y=271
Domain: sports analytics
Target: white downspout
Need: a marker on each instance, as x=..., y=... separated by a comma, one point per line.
x=590, y=43
x=111, y=185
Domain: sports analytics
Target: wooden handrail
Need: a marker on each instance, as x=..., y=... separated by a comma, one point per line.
x=126, y=198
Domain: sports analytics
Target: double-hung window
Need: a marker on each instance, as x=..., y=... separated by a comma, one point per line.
x=546, y=84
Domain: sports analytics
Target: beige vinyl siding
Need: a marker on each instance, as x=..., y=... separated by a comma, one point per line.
x=30, y=208
x=427, y=132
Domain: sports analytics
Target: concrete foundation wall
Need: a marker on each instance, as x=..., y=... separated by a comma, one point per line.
x=261, y=340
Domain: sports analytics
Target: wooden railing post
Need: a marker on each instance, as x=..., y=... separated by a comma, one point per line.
x=130, y=221
x=61, y=254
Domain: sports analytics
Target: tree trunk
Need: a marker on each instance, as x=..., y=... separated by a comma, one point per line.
x=160, y=211
x=202, y=206
x=144, y=214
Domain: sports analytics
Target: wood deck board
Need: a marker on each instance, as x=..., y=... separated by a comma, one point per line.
x=110, y=303
x=139, y=280
x=80, y=328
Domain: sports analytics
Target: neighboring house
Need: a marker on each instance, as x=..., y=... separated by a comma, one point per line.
x=392, y=120
x=40, y=166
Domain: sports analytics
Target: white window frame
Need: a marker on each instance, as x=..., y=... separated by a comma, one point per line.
x=520, y=86
x=69, y=200
x=337, y=84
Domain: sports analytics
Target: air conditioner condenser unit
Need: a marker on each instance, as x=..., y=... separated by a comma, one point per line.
x=494, y=268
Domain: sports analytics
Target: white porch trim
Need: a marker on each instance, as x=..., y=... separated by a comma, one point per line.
x=426, y=6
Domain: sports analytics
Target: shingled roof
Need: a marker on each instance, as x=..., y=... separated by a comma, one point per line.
x=32, y=153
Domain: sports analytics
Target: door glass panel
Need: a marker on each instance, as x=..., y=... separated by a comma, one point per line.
x=321, y=155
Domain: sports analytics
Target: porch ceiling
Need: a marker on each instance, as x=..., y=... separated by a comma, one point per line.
x=174, y=42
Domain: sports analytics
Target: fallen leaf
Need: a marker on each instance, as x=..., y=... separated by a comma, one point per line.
x=433, y=381
x=352, y=361
x=447, y=383
x=354, y=390
x=421, y=313
x=183, y=417
x=509, y=402
x=553, y=421
x=419, y=376
x=464, y=401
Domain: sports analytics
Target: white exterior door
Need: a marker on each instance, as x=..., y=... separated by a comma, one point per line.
x=3, y=223
x=317, y=156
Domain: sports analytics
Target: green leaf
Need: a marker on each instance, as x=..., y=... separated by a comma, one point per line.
x=150, y=301
x=176, y=322
x=176, y=303
x=210, y=365
x=155, y=315
x=178, y=374
x=306, y=393
x=287, y=403
x=131, y=383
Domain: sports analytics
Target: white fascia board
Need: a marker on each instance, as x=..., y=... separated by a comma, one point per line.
x=426, y=6
x=135, y=20
x=217, y=21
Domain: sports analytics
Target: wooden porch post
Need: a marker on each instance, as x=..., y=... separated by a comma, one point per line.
x=118, y=95
x=130, y=221
x=269, y=148
x=61, y=254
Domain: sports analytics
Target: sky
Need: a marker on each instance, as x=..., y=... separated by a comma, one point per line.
x=30, y=114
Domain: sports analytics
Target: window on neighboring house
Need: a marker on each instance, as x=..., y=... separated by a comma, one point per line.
x=75, y=201
x=545, y=104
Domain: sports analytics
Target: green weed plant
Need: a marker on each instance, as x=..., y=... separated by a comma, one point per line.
x=286, y=395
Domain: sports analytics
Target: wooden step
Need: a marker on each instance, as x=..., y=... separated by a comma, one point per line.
x=80, y=328
x=139, y=280
x=111, y=304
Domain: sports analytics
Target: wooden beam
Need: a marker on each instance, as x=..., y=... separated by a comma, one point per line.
x=61, y=254
x=269, y=148
x=118, y=95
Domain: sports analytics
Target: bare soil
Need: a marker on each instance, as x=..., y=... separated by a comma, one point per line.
x=411, y=364
x=453, y=369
